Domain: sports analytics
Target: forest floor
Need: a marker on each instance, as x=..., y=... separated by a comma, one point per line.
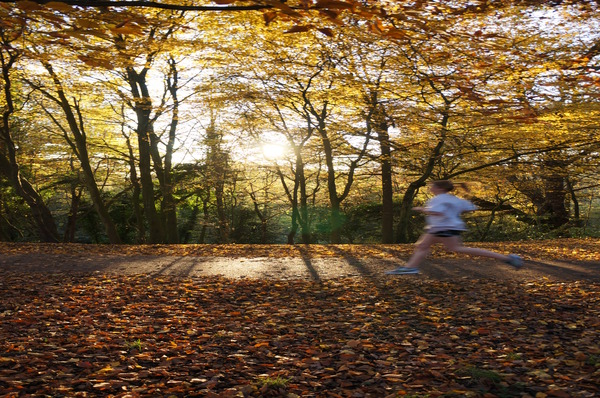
x=298, y=321
x=564, y=259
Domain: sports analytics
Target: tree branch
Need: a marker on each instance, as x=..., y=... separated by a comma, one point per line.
x=151, y=4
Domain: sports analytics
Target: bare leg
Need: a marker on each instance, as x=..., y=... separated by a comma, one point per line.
x=422, y=249
x=454, y=244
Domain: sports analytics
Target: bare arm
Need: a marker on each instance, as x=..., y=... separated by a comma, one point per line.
x=426, y=211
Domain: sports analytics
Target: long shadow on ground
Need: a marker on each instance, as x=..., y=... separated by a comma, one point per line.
x=342, y=264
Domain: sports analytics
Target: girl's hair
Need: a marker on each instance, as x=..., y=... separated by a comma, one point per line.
x=448, y=185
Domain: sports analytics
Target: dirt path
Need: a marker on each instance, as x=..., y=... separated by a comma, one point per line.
x=297, y=267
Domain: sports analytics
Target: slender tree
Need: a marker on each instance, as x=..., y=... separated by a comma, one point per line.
x=9, y=162
x=75, y=135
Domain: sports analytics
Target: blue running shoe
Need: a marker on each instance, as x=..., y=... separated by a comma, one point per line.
x=515, y=261
x=403, y=271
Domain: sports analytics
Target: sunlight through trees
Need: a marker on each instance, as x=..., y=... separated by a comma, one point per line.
x=313, y=122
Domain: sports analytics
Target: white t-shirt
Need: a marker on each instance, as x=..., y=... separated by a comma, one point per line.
x=450, y=208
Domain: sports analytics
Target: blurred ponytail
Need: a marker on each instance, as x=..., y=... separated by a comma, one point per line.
x=448, y=185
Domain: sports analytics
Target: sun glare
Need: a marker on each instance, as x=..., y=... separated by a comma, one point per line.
x=274, y=151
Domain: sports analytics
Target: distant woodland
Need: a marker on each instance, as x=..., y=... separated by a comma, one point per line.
x=299, y=121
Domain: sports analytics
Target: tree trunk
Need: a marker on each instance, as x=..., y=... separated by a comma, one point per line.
x=547, y=191
x=575, y=200
x=79, y=147
x=387, y=191
x=202, y=237
x=261, y=217
x=292, y=197
x=8, y=231
x=135, y=196
x=168, y=207
x=221, y=214
x=554, y=207
x=9, y=165
x=143, y=108
x=488, y=225
x=294, y=229
x=335, y=199
x=403, y=235
x=217, y=164
x=70, y=227
x=335, y=222
x=190, y=224
x=377, y=120
x=42, y=216
x=302, y=209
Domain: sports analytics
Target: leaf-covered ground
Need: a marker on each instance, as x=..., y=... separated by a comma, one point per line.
x=559, y=260
x=84, y=335
x=562, y=249
x=100, y=335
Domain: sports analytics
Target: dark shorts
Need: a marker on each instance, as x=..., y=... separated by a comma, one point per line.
x=447, y=233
